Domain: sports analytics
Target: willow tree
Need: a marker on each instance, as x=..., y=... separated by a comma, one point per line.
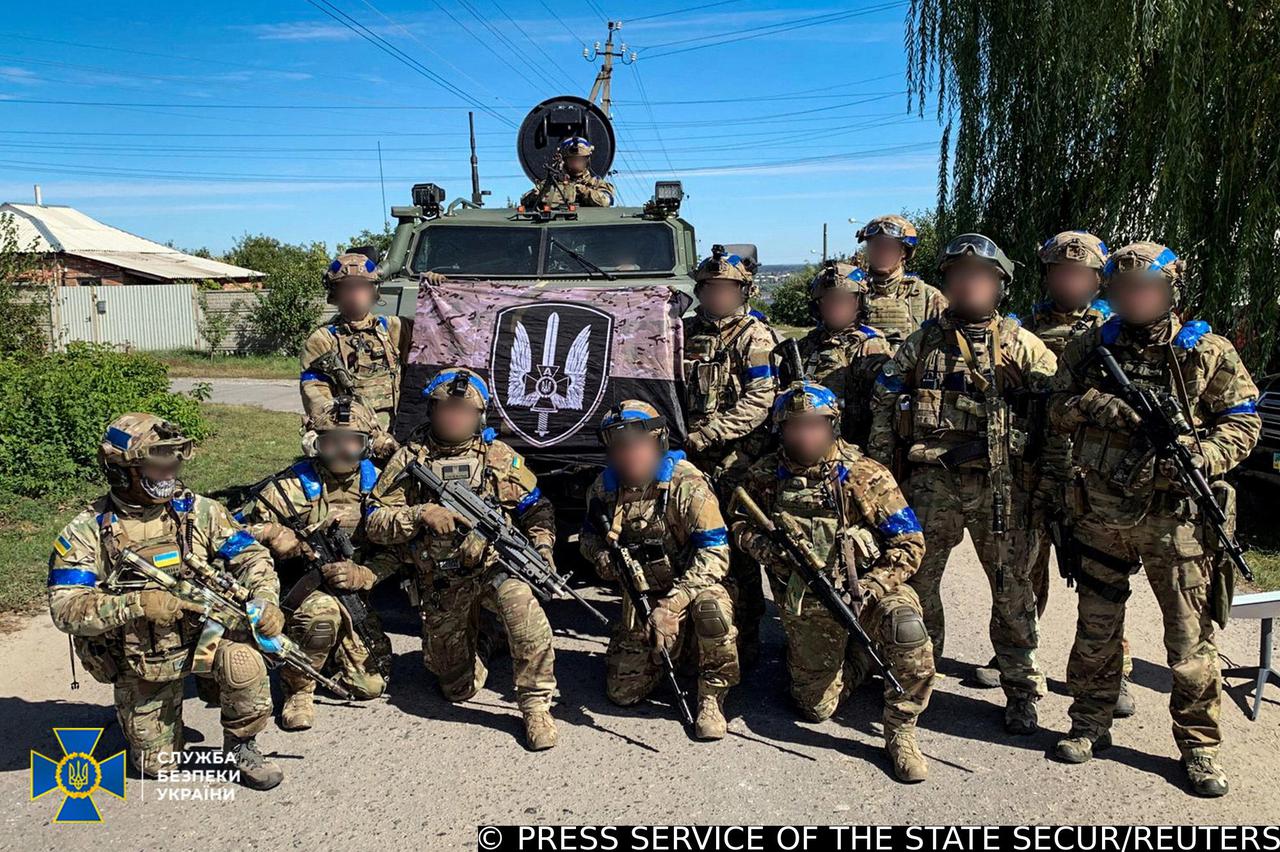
x=1153, y=119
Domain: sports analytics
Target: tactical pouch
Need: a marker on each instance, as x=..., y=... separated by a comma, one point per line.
x=705, y=381
x=903, y=418
x=1222, y=579
x=98, y=658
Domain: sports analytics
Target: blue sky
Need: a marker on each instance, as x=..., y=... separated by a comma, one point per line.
x=265, y=117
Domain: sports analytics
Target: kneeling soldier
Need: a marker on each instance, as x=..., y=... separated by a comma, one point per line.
x=860, y=527
x=329, y=612
x=457, y=573
x=662, y=509
x=143, y=641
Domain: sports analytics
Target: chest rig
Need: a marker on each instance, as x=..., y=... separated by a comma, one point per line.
x=152, y=652
x=713, y=367
x=459, y=555
x=1056, y=330
x=638, y=519
x=321, y=499
x=897, y=312
x=373, y=360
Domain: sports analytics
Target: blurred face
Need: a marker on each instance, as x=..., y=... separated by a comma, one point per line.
x=354, y=297
x=720, y=297
x=634, y=456
x=973, y=288
x=807, y=438
x=575, y=164
x=885, y=254
x=1070, y=285
x=454, y=420
x=839, y=308
x=340, y=450
x=154, y=481
x=1140, y=299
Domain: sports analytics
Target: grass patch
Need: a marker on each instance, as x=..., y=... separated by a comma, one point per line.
x=1259, y=534
x=190, y=363
x=248, y=443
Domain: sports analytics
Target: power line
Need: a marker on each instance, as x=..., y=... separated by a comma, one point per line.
x=595, y=7
x=680, y=11
x=505, y=40
x=560, y=20
x=485, y=44
x=531, y=41
x=203, y=105
x=644, y=96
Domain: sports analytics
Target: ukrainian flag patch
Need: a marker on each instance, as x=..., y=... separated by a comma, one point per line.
x=515, y=462
x=166, y=560
x=62, y=545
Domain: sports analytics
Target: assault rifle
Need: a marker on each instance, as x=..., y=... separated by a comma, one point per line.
x=790, y=539
x=516, y=554
x=1161, y=427
x=325, y=545
x=336, y=373
x=633, y=581
x=226, y=605
x=789, y=366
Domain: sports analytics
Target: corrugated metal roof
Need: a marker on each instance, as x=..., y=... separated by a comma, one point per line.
x=54, y=228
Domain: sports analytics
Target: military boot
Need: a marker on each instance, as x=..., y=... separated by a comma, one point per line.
x=298, y=712
x=540, y=730
x=1021, y=717
x=988, y=676
x=1126, y=706
x=1207, y=778
x=710, y=724
x=909, y=765
x=1080, y=745
x=256, y=772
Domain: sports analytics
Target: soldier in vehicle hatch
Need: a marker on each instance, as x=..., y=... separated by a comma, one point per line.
x=569, y=180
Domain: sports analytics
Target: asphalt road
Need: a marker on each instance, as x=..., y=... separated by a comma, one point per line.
x=411, y=767
x=273, y=394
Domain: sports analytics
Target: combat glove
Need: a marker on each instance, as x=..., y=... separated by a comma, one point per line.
x=1108, y=411
x=664, y=628
x=438, y=519
x=270, y=620
x=348, y=576
x=162, y=608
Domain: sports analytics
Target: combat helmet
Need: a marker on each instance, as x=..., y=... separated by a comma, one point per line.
x=575, y=146
x=1148, y=258
x=803, y=398
x=633, y=416
x=721, y=264
x=983, y=248
x=342, y=415
x=1079, y=247
x=897, y=227
x=134, y=439
x=836, y=275
x=349, y=265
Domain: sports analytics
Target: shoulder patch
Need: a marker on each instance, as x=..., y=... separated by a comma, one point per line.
x=1109, y=332
x=368, y=475
x=1102, y=306
x=305, y=470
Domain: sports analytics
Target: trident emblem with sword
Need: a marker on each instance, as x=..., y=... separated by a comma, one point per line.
x=547, y=387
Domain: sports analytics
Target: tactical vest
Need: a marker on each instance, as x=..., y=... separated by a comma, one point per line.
x=897, y=315
x=373, y=359
x=444, y=557
x=714, y=367
x=643, y=528
x=150, y=651
x=829, y=359
x=1057, y=331
x=321, y=500
x=948, y=409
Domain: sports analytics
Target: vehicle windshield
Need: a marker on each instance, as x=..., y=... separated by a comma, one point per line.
x=522, y=251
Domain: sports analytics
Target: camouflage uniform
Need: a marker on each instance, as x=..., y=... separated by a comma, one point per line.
x=562, y=189
x=456, y=574
x=928, y=403
x=310, y=494
x=729, y=386
x=845, y=360
x=144, y=660
x=674, y=527
x=372, y=349
x=897, y=303
x=1129, y=515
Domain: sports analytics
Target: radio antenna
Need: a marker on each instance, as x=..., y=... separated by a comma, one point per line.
x=477, y=197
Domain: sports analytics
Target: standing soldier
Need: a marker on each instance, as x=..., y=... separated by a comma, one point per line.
x=729, y=386
x=863, y=531
x=662, y=509
x=357, y=354
x=1129, y=512
x=898, y=303
x=328, y=490
x=569, y=179
x=841, y=353
x=949, y=412
x=456, y=571
x=142, y=642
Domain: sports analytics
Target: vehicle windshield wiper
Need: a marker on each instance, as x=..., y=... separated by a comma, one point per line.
x=608, y=276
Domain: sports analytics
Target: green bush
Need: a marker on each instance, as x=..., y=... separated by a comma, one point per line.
x=789, y=302
x=54, y=408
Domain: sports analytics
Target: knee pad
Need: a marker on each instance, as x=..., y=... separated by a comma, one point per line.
x=709, y=621
x=906, y=628
x=242, y=666
x=321, y=634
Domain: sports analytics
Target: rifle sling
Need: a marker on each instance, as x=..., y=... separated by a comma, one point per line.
x=1114, y=593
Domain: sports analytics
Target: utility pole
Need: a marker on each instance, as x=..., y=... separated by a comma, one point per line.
x=824, y=242
x=600, y=89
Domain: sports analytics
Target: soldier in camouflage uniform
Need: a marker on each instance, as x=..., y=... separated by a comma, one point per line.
x=142, y=642
x=862, y=529
x=897, y=303
x=330, y=488
x=356, y=348
x=662, y=508
x=570, y=180
x=1130, y=514
x=841, y=353
x=949, y=411
x=456, y=572
x=729, y=386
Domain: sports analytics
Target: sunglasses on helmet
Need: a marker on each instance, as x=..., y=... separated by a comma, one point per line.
x=974, y=244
